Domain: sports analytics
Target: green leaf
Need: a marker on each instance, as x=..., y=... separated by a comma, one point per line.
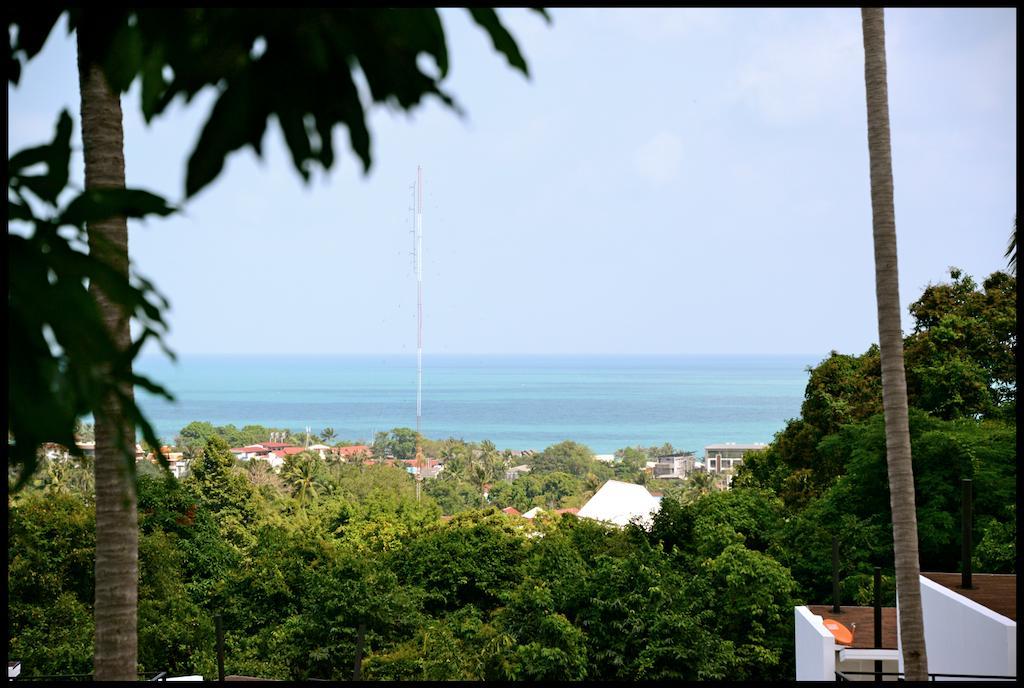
x=542, y=12
x=17, y=211
x=56, y=156
x=238, y=118
x=125, y=57
x=298, y=141
x=94, y=205
x=503, y=41
x=34, y=24
x=153, y=83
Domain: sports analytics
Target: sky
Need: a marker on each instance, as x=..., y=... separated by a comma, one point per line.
x=671, y=181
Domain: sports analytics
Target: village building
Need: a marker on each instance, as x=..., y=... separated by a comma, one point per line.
x=516, y=472
x=675, y=466
x=252, y=451
x=537, y=511
x=619, y=503
x=353, y=452
x=719, y=458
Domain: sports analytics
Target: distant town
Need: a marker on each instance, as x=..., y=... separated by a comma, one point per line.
x=617, y=496
x=719, y=459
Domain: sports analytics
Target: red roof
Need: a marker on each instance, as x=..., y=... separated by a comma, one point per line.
x=570, y=510
x=354, y=449
x=250, y=449
x=512, y=511
x=275, y=445
x=430, y=462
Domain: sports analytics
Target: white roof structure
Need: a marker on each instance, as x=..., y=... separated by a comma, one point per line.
x=532, y=513
x=607, y=458
x=619, y=503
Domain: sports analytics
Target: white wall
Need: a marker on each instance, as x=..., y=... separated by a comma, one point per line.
x=964, y=637
x=889, y=666
x=815, y=647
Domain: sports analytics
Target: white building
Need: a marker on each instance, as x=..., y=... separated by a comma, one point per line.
x=726, y=456
x=972, y=631
x=252, y=451
x=967, y=633
x=819, y=654
x=517, y=472
x=619, y=503
x=675, y=466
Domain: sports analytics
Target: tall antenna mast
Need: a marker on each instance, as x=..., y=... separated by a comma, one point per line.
x=420, y=462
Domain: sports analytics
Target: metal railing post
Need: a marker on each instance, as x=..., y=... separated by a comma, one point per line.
x=878, y=620
x=220, y=647
x=835, y=574
x=966, y=533
x=357, y=670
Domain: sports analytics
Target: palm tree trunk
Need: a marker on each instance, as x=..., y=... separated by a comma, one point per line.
x=116, y=598
x=890, y=341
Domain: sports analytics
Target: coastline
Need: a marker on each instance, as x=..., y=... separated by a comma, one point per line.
x=517, y=401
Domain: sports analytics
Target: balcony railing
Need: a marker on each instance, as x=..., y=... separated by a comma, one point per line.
x=880, y=675
x=50, y=678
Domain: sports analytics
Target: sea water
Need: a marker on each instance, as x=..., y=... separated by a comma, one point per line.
x=517, y=402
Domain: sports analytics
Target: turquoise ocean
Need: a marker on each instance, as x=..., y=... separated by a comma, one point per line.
x=517, y=402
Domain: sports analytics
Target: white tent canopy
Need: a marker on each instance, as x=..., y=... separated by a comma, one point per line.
x=619, y=503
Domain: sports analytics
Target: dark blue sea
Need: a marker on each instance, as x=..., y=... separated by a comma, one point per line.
x=517, y=402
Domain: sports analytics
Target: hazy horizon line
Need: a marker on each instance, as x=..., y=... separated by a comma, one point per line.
x=641, y=354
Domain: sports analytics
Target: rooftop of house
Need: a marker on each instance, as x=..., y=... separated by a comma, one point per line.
x=996, y=591
x=249, y=449
x=619, y=503
x=352, y=449
x=236, y=677
x=733, y=445
x=864, y=618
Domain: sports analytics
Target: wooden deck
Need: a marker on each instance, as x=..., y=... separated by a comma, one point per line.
x=864, y=617
x=995, y=591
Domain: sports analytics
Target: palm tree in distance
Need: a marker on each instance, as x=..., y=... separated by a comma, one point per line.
x=479, y=475
x=303, y=475
x=698, y=484
x=890, y=341
x=328, y=434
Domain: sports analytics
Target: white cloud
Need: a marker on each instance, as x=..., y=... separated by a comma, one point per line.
x=799, y=71
x=660, y=158
x=660, y=23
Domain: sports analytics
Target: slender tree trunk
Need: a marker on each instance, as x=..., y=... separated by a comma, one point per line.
x=890, y=340
x=116, y=600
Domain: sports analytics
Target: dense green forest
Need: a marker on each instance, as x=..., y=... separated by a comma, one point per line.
x=448, y=587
